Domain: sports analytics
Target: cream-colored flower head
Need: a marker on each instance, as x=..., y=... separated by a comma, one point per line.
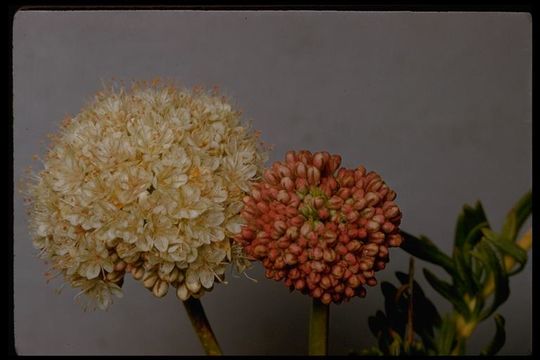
x=147, y=181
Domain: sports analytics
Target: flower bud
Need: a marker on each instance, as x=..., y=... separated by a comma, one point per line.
x=370, y=250
x=318, y=161
x=368, y=274
x=367, y=213
x=377, y=237
x=355, y=280
x=299, y=284
x=372, y=198
x=341, y=249
x=352, y=216
x=137, y=273
x=394, y=240
x=313, y=176
x=329, y=255
x=301, y=170
x=344, y=193
x=325, y=282
x=270, y=177
x=360, y=172
x=372, y=226
x=173, y=275
x=280, y=226
x=149, y=280
x=247, y=233
x=333, y=163
x=354, y=245
x=391, y=212
x=371, y=281
x=273, y=254
x=283, y=171
x=294, y=273
x=337, y=271
x=194, y=286
x=279, y=263
x=317, y=253
x=287, y=183
x=318, y=202
x=317, y=293
x=379, y=218
x=283, y=196
x=348, y=181
x=160, y=288
x=290, y=157
x=182, y=292
x=350, y=258
x=375, y=185
x=114, y=276
x=317, y=266
x=260, y=250
x=305, y=229
x=388, y=227
x=290, y=259
x=256, y=194
x=365, y=264
x=326, y=298
x=120, y=266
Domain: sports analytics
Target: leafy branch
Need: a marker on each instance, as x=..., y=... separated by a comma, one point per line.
x=479, y=269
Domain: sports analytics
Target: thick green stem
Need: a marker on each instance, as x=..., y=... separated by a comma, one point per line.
x=202, y=327
x=318, y=328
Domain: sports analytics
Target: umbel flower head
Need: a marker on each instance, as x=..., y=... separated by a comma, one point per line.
x=147, y=181
x=321, y=229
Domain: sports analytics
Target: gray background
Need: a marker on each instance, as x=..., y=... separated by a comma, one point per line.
x=438, y=103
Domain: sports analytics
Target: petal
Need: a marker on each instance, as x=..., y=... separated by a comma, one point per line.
x=207, y=277
x=92, y=270
x=214, y=218
x=161, y=243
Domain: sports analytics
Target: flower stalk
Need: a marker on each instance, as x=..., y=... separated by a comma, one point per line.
x=318, y=328
x=201, y=326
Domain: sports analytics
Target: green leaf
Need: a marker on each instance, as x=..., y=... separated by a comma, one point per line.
x=468, y=219
x=494, y=263
x=465, y=279
x=396, y=313
x=499, y=339
x=509, y=229
x=446, y=336
x=475, y=234
x=506, y=247
x=449, y=292
x=423, y=248
x=377, y=323
x=517, y=216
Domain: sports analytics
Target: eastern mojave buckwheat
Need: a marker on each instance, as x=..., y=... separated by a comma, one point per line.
x=148, y=181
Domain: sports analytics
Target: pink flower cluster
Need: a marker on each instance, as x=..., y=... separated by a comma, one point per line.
x=321, y=229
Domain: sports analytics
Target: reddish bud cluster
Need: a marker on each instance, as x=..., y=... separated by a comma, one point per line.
x=321, y=229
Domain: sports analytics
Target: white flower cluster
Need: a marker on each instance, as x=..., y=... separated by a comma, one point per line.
x=147, y=181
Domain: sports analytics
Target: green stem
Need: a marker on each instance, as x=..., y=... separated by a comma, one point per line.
x=202, y=327
x=318, y=328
